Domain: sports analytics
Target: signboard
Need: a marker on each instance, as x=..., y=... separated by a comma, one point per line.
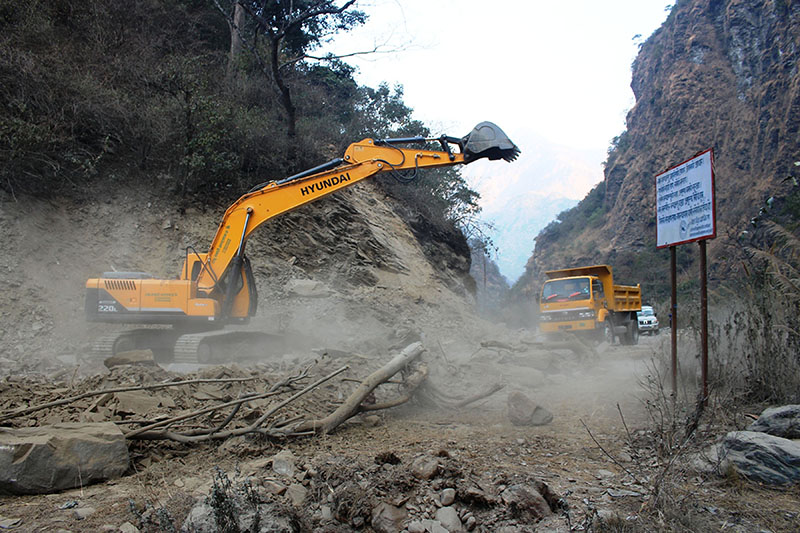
x=685, y=206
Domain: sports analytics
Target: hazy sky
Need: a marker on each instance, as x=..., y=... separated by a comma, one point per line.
x=554, y=75
x=560, y=70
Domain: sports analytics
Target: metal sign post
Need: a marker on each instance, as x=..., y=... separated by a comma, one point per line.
x=686, y=212
x=673, y=318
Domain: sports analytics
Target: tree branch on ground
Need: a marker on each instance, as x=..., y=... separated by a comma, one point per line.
x=71, y=399
x=353, y=404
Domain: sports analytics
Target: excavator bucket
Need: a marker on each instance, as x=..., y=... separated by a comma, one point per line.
x=489, y=141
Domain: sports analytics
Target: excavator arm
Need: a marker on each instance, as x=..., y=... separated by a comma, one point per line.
x=219, y=277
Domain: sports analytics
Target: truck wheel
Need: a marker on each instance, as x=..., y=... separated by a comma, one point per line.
x=633, y=334
x=608, y=332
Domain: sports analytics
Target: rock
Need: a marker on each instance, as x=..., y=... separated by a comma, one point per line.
x=307, y=288
x=416, y=526
x=132, y=357
x=136, y=403
x=371, y=420
x=273, y=487
x=388, y=518
x=609, y=519
x=9, y=523
x=604, y=474
x=781, y=421
x=127, y=527
x=522, y=411
x=761, y=457
x=268, y=518
x=283, y=463
x=448, y=517
x=83, y=513
x=425, y=467
x=426, y=526
x=200, y=519
x=47, y=459
x=470, y=523
x=706, y=461
x=526, y=501
x=296, y=494
x=448, y=496
x=326, y=512
x=621, y=493
x=624, y=457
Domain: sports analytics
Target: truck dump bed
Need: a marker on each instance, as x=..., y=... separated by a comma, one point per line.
x=627, y=298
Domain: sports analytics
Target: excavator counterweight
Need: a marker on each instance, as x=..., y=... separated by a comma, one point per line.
x=217, y=288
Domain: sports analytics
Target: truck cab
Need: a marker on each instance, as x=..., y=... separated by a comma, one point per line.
x=571, y=304
x=585, y=301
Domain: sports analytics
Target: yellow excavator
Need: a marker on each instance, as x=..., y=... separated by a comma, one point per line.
x=217, y=288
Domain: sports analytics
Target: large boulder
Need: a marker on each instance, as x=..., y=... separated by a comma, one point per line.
x=781, y=421
x=387, y=518
x=63, y=456
x=522, y=411
x=761, y=457
x=526, y=501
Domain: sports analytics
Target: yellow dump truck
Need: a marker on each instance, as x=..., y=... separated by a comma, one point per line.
x=585, y=301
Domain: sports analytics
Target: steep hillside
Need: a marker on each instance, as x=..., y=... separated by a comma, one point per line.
x=721, y=74
x=341, y=272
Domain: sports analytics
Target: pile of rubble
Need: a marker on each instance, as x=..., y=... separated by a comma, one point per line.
x=435, y=492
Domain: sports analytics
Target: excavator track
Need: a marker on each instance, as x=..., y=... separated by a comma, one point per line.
x=211, y=347
x=159, y=341
x=207, y=347
x=104, y=346
x=188, y=348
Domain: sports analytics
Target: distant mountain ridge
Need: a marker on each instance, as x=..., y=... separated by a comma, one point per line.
x=519, y=200
x=515, y=229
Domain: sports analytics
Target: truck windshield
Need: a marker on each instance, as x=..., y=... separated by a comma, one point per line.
x=563, y=290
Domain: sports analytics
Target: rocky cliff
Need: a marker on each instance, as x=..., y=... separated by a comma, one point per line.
x=719, y=74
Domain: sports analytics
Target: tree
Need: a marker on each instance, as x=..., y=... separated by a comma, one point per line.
x=293, y=29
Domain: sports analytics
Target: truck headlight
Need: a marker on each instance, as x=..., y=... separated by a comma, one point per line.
x=586, y=314
x=545, y=318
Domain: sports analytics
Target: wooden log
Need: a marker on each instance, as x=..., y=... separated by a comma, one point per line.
x=352, y=405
